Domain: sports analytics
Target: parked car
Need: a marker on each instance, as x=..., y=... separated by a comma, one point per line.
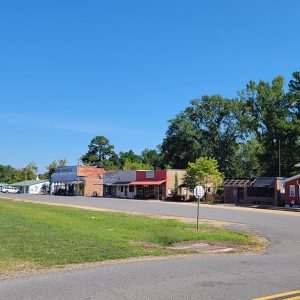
x=10, y=190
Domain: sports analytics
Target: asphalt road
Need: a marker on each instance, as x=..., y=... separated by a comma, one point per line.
x=197, y=277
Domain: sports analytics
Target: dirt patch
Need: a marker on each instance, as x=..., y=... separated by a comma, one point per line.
x=210, y=247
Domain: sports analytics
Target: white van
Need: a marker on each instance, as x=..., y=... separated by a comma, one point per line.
x=10, y=189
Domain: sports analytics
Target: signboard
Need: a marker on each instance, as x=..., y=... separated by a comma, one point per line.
x=199, y=191
x=65, y=174
x=149, y=174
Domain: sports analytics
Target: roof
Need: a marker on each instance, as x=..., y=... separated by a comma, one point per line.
x=122, y=182
x=150, y=182
x=76, y=182
x=293, y=178
x=238, y=181
x=29, y=182
x=253, y=182
x=264, y=182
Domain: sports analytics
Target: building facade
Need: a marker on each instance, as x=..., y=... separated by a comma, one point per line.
x=77, y=181
x=116, y=184
x=32, y=186
x=292, y=191
x=146, y=184
x=260, y=190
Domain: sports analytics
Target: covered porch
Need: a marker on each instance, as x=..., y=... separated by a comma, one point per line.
x=155, y=189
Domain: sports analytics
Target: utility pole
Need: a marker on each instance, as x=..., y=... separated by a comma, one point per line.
x=24, y=187
x=279, y=162
x=78, y=178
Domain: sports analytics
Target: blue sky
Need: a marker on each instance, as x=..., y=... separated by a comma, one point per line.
x=71, y=70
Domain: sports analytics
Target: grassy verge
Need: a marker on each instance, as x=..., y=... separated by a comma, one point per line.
x=41, y=236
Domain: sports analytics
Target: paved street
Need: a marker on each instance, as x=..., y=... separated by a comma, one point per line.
x=198, y=277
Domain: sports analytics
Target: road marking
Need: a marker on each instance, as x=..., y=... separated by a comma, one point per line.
x=295, y=295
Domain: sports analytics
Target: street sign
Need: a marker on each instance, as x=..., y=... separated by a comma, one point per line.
x=199, y=191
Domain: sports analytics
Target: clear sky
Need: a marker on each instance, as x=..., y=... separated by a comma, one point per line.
x=71, y=70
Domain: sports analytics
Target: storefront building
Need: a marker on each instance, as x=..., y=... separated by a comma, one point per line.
x=77, y=181
x=144, y=184
x=117, y=184
x=260, y=190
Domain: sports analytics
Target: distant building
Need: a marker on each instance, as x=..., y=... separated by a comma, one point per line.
x=77, y=180
x=260, y=190
x=116, y=184
x=143, y=184
x=32, y=186
x=292, y=191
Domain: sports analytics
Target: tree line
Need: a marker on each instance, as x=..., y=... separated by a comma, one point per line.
x=9, y=174
x=254, y=134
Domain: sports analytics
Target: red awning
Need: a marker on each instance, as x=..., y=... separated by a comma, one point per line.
x=157, y=182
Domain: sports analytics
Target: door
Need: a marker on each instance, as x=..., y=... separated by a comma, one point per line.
x=240, y=194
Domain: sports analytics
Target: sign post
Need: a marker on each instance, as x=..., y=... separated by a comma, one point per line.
x=198, y=193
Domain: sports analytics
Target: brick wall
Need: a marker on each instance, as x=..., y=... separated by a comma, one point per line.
x=288, y=198
x=89, y=171
x=171, y=181
x=93, y=184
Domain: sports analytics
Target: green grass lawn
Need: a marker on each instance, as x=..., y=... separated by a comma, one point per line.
x=44, y=236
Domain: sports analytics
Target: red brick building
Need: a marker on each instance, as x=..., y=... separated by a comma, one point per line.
x=160, y=184
x=260, y=190
x=77, y=180
x=292, y=191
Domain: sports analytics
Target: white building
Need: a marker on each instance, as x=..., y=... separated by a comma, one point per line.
x=32, y=186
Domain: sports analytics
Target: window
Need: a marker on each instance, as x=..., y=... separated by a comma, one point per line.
x=260, y=192
x=292, y=190
x=149, y=174
x=122, y=188
x=131, y=188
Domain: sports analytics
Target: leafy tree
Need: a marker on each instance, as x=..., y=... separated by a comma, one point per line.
x=8, y=174
x=45, y=189
x=269, y=114
x=294, y=93
x=176, y=184
x=53, y=165
x=100, y=151
x=27, y=173
x=113, y=163
x=210, y=126
x=248, y=158
x=153, y=158
x=204, y=171
x=136, y=166
x=129, y=156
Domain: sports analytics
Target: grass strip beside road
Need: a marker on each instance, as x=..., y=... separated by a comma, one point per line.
x=38, y=236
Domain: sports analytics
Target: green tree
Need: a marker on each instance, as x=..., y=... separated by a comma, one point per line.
x=269, y=115
x=176, y=184
x=210, y=126
x=128, y=165
x=129, y=156
x=100, y=151
x=53, y=165
x=27, y=173
x=152, y=157
x=248, y=158
x=8, y=174
x=204, y=171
